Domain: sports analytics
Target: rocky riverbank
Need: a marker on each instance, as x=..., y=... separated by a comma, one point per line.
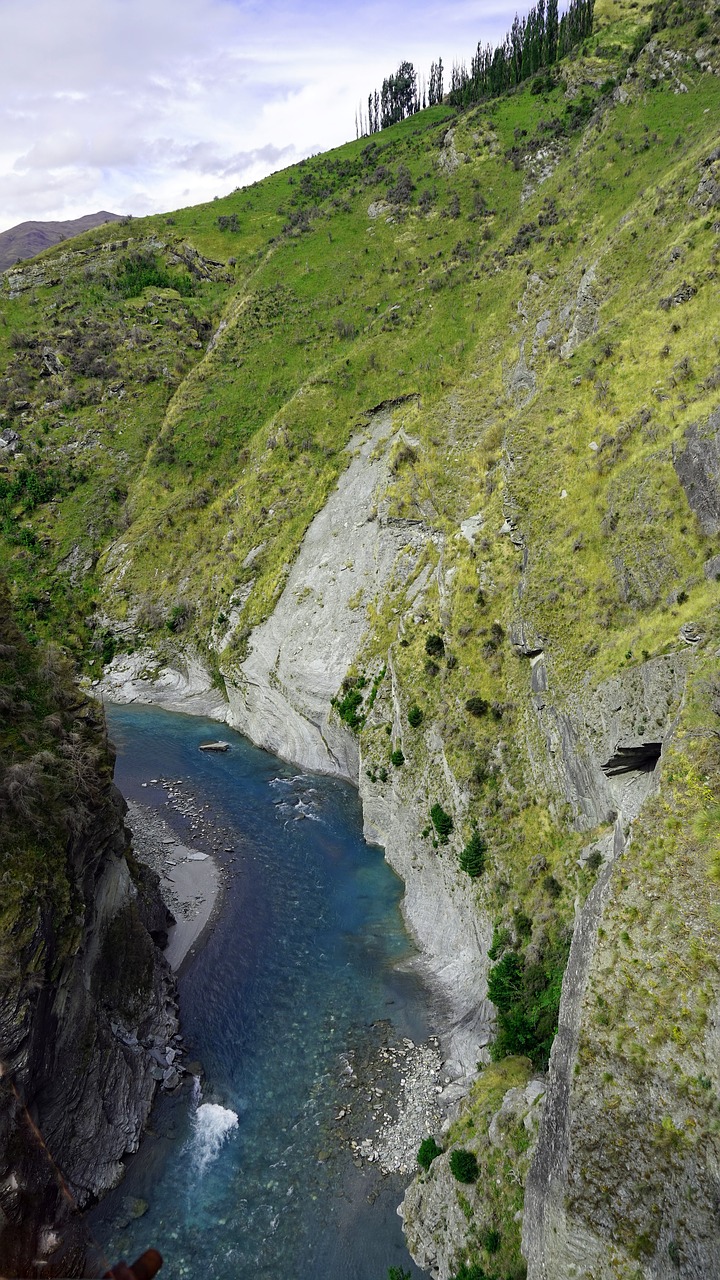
x=189, y=879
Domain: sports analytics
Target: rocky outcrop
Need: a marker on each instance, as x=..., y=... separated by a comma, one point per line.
x=698, y=469
x=77, y=1035
x=186, y=685
x=439, y=905
x=448, y=1223
x=87, y=1003
x=598, y=751
x=280, y=696
x=582, y=314
x=547, y=1179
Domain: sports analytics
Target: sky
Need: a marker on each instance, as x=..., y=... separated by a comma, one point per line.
x=143, y=106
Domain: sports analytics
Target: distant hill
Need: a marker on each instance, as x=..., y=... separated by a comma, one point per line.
x=29, y=238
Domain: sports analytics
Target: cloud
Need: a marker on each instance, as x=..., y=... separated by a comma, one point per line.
x=140, y=107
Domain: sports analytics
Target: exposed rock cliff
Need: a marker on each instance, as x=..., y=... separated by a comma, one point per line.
x=85, y=994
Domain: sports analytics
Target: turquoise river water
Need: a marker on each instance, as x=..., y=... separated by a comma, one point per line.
x=242, y=1177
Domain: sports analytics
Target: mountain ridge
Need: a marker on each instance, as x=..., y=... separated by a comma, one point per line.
x=27, y=239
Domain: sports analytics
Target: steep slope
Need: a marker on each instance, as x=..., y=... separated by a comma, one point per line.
x=431, y=424
x=85, y=994
x=30, y=238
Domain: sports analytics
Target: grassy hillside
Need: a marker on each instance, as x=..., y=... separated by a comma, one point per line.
x=534, y=283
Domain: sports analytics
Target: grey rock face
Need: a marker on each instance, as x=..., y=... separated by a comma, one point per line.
x=698, y=469
x=584, y=314
x=546, y=1184
x=74, y=1026
x=626, y=717
x=280, y=696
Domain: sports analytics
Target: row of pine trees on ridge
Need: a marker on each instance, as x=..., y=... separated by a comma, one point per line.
x=531, y=45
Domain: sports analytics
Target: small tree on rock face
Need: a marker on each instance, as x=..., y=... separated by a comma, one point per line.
x=442, y=822
x=472, y=858
x=415, y=717
x=464, y=1166
x=429, y=1151
x=435, y=646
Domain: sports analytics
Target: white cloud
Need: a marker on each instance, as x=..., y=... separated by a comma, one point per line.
x=145, y=105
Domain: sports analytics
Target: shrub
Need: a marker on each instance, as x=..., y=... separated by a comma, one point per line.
x=347, y=706
x=435, y=646
x=397, y=758
x=431, y=668
x=464, y=1165
x=492, y=1240
x=429, y=1151
x=471, y=1271
x=552, y=886
x=180, y=615
x=527, y=998
x=415, y=717
x=442, y=822
x=472, y=858
x=523, y=924
x=505, y=982
x=500, y=939
x=477, y=706
x=401, y=193
x=139, y=270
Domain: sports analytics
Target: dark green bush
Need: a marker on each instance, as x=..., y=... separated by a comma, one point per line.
x=140, y=270
x=397, y=758
x=527, y=998
x=415, y=717
x=477, y=706
x=472, y=1271
x=442, y=822
x=429, y=1151
x=435, y=646
x=347, y=707
x=464, y=1165
x=523, y=924
x=491, y=1241
x=472, y=858
x=505, y=982
x=180, y=615
x=500, y=939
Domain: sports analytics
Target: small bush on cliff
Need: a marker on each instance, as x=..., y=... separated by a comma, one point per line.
x=464, y=1165
x=477, y=706
x=397, y=758
x=472, y=858
x=442, y=822
x=348, y=706
x=415, y=717
x=472, y=1271
x=435, y=646
x=429, y=1151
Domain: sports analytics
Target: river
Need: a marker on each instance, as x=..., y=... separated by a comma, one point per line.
x=300, y=975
